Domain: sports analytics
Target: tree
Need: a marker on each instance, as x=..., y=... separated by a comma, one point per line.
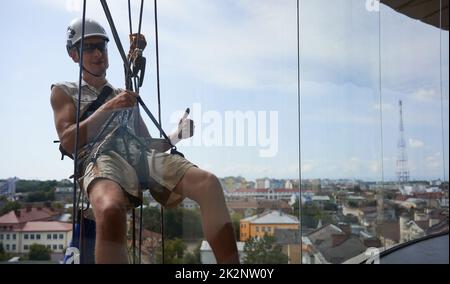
x=263, y=251
x=178, y=222
x=173, y=252
x=352, y=204
x=182, y=223
x=193, y=258
x=9, y=206
x=330, y=206
x=350, y=219
x=151, y=219
x=3, y=255
x=311, y=214
x=236, y=220
x=39, y=196
x=35, y=185
x=39, y=252
x=192, y=224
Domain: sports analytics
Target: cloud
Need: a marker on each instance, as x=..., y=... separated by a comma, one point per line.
x=253, y=169
x=73, y=6
x=374, y=167
x=252, y=44
x=434, y=161
x=383, y=106
x=415, y=143
x=426, y=95
x=249, y=52
x=306, y=168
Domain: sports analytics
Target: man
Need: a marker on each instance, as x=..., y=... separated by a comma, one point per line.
x=111, y=155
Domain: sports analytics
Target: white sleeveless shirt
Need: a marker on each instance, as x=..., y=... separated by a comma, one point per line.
x=116, y=141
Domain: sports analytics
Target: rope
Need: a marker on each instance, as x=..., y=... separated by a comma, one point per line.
x=299, y=125
x=116, y=36
x=159, y=114
x=129, y=17
x=157, y=64
x=441, y=90
x=75, y=216
x=137, y=84
x=129, y=85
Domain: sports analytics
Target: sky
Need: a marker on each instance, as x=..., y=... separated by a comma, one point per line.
x=236, y=61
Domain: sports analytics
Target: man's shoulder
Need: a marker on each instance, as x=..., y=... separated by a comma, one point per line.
x=65, y=85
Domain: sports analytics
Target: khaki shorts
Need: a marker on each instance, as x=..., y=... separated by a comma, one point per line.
x=164, y=173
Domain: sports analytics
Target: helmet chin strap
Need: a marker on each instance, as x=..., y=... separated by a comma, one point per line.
x=95, y=75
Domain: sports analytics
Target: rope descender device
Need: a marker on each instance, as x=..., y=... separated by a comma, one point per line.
x=135, y=58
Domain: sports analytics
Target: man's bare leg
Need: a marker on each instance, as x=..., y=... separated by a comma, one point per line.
x=205, y=189
x=109, y=205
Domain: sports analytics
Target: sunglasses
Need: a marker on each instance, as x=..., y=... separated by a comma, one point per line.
x=91, y=47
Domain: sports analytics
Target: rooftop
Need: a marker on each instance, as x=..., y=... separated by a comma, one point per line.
x=42, y=226
x=27, y=214
x=272, y=217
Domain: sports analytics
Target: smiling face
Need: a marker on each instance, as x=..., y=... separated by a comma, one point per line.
x=95, y=55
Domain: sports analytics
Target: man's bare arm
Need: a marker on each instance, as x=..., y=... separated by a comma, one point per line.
x=65, y=117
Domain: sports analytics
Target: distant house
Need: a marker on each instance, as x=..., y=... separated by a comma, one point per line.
x=263, y=193
x=290, y=240
x=189, y=204
x=249, y=206
x=335, y=244
x=21, y=228
x=406, y=229
x=266, y=223
x=207, y=256
x=64, y=194
x=52, y=234
x=389, y=233
x=17, y=218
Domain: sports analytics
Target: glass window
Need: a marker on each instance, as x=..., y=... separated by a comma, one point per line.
x=240, y=102
x=347, y=145
x=339, y=121
x=415, y=126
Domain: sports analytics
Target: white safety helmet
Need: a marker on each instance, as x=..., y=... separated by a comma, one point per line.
x=91, y=28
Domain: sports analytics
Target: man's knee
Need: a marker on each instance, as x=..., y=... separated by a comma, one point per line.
x=111, y=212
x=108, y=201
x=211, y=181
x=211, y=188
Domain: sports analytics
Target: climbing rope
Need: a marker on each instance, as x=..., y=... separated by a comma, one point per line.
x=75, y=216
